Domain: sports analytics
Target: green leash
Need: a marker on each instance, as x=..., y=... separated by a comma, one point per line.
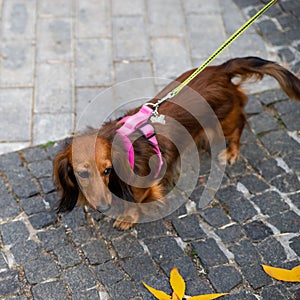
x=241, y=30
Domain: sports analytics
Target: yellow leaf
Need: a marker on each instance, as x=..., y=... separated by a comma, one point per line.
x=175, y=297
x=160, y=295
x=207, y=296
x=283, y=274
x=177, y=283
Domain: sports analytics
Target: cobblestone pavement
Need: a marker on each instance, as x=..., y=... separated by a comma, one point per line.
x=55, y=57
x=254, y=217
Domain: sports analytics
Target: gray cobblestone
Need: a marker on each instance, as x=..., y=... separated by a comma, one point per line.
x=279, y=142
x=263, y=122
x=271, y=97
x=139, y=267
x=268, y=168
x=50, y=290
x=188, y=228
x=82, y=235
x=128, y=7
x=67, y=256
x=93, y=19
x=272, y=292
x=163, y=249
x=8, y=207
x=96, y=252
x=47, y=185
x=60, y=125
x=56, y=44
x=13, y=232
x=295, y=244
x=184, y=265
x=79, y=279
x=209, y=253
x=54, y=89
x=40, y=169
x=41, y=269
x=257, y=231
x=75, y=218
x=270, y=203
x=245, y=253
x=93, y=62
x=9, y=283
x=204, y=42
x=108, y=273
x=88, y=100
x=254, y=184
x=215, y=216
x=25, y=251
x=48, y=8
x=141, y=87
x=122, y=290
x=272, y=251
x=287, y=183
x=17, y=65
x=55, y=58
x=224, y=278
x=157, y=229
x=53, y=238
x=123, y=252
x=42, y=219
x=18, y=19
x=238, y=206
x=127, y=31
x=231, y=233
x=34, y=154
x=17, y=108
x=253, y=106
x=165, y=18
x=286, y=222
x=163, y=64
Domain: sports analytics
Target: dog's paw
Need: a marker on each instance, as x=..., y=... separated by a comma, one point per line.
x=124, y=222
x=227, y=156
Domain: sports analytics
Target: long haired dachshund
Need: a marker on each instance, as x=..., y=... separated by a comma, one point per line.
x=86, y=173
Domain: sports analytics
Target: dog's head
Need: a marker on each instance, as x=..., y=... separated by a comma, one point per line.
x=84, y=174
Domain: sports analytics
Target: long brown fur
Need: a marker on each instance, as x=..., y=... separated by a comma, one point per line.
x=85, y=171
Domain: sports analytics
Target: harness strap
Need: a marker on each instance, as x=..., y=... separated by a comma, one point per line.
x=139, y=121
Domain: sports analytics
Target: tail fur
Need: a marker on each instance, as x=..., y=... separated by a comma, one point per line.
x=254, y=66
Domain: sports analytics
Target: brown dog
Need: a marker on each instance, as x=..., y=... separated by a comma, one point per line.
x=85, y=171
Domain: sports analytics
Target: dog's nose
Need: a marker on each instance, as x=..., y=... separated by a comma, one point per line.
x=103, y=207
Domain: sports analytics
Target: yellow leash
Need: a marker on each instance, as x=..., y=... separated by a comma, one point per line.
x=176, y=90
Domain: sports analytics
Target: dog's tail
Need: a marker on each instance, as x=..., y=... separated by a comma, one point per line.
x=254, y=66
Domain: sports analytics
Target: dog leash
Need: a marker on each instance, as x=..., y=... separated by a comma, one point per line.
x=140, y=120
x=156, y=117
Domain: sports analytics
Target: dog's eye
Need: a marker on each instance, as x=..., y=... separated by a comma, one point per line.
x=84, y=174
x=107, y=171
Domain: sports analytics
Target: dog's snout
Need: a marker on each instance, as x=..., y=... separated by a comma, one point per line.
x=103, y=207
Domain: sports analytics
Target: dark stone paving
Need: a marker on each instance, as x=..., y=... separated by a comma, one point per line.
x=254, y=218
x=279, y=27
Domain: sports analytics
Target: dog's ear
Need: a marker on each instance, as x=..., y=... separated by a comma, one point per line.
x=119, y=180
x=65, y=180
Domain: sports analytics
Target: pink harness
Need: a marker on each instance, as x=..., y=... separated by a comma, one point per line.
x=139, y=121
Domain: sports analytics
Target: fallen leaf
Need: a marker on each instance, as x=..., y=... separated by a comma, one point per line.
x=175, y=297
x=207, y=297
x=292, y=275
x=177, y=283
x=157, y=293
